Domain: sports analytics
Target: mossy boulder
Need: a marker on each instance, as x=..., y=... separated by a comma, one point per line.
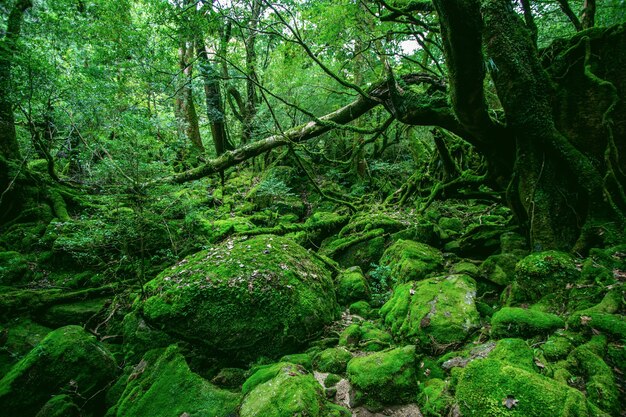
x=217, y=230
x=162, y=385
x=14, y=268
x=366, y=337
x=493, y=388
x=499, y=269
x=387, y=377
x=75, y=313
x=287, y=391
x=359, y=249
x=514, y=243
x=68, y=360
x=244, y=298
x=434, y=398
x=515, y=321
x=515, y=352
x=351, y=286
x=434, y=312
x=411, y=261
x=363, y=309
x=139, y=337
x=545, y=273
x=600, y=383
x=333, y=360
x=18, y=338
x=603, y=317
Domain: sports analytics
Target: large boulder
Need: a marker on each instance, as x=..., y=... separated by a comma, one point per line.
x=411, y=261
x=436, y=312
x=162, y=385
x=491, y=387
x=387, y=377
x=286, y=390
x=68, y=360
x=244, y=298
x=544, y=273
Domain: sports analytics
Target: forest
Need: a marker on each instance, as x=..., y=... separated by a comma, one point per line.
x=313, y=208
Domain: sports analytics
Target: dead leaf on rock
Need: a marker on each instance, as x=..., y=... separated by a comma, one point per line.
x=509, y=402
x=584, y=320
x=539, y=364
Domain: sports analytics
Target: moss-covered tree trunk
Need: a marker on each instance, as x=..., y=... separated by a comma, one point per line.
x=9, y=148
x=566, y=186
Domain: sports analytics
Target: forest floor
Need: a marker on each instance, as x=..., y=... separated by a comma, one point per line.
x=261, y=298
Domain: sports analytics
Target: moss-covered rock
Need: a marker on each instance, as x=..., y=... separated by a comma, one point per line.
x=545, y=273
x=515, y=352
x=14, y=268
x=366, y=337
x=360, y=249
x=68, y=360
x=287, y=391
x=162, y=385
x=499, y=269
x=434, y=399
x=559, y=345
x=586, y=361
x=436, y=312
x=302, y=359
x=411, y=261
x=466, y=268
x=351, y=286
x=215, y=230
x=493, y=388
x=333, y=360
x=18, y=338
x=75, y=313
x=384, y=377
x=603, y=317
x=60, y=406
x=139, y=337
x=245, y=298
x=363, y=309
x=514, y=321
x=232, y=378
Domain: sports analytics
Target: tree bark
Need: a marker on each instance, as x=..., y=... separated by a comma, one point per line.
x=185, y=107
x=250, y=108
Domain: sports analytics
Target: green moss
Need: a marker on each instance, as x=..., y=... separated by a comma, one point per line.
x=484, y=386
x=600, y=383
x=499, y=269
x=545, y=273
x=68, y=360
x=602, y=317
x=14, y=268
x=302, y=359
x=244, y=298
x=75, y=313
x=21, y=335
x=289, y=392
x=361, y=249
x=558, y=346
x=434, y=398
x=333, y=360
x=362, y=309
x=331, y=380
x=515, y=352
x=437, y=312
x=514, y=321
x=384, y=377
x=217, y=230
x=451, y=224
x=232, y=378
x=60, y=406
x=366, y=337
x=511, y=242
x=351, y=286
x=466, y=268
x=162, y=385
x=411, y=261
x=140, y=337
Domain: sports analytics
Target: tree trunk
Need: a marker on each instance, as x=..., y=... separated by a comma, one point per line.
x=185, y=108
x=250, y=108
x=9, y=148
